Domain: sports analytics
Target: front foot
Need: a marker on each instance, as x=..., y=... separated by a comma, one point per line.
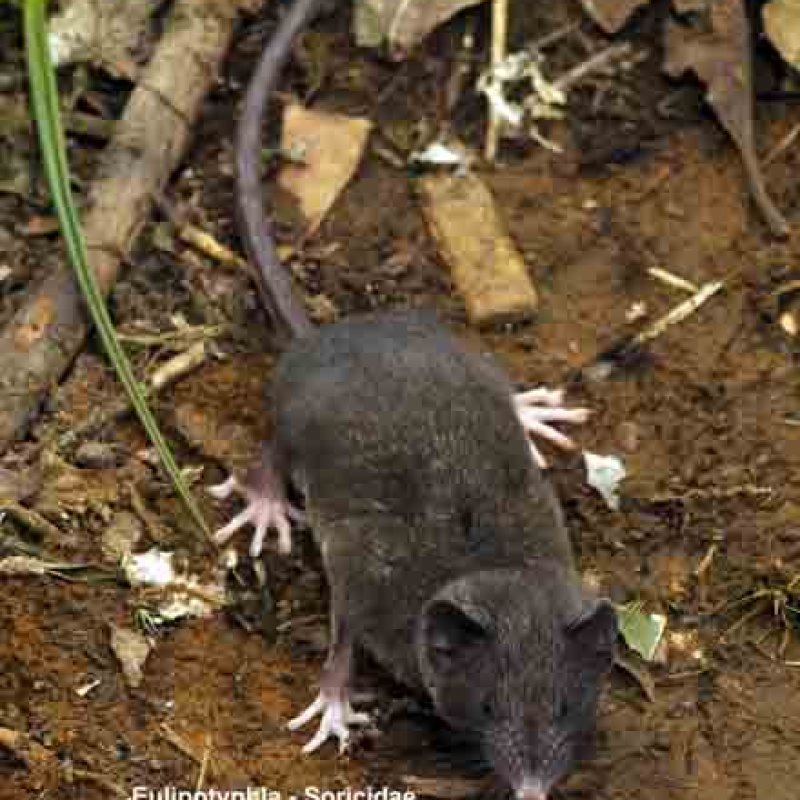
x=537, y=408
x=337, y=717
x=267, y=509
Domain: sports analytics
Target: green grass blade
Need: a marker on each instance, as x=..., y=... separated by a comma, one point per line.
x=44, y=96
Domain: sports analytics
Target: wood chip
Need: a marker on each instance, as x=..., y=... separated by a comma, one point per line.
x=487, y=268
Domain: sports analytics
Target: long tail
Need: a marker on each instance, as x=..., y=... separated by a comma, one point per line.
x=281, y=300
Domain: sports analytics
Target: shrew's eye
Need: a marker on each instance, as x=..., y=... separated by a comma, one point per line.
x=487, y=709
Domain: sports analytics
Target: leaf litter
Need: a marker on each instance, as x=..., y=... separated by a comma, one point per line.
x=718, y=52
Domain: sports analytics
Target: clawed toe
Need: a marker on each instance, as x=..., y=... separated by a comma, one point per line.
x=540, y=396
x=337, y=717
x=537, y=409
x=265, y=511
x=222, y=491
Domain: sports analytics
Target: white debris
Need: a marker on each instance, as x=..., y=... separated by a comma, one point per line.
x=87, y=687
x=544, y=99
x=440, y=155
x=186, y=605
x=605, y=473
x=788, y=322
x=181, y=596
x=153, y=568
x=636, y=311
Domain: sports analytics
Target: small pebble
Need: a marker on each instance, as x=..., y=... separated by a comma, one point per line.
x=98, y=455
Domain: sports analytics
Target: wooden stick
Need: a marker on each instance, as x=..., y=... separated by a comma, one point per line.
x=40, y=342
x=499, y=39
x=679, y=313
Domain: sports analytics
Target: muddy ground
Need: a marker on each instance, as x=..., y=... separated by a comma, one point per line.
x=707, y=421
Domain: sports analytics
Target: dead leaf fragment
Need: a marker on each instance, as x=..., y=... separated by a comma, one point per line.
x=782, y=26
x=331, y=147
x=131, y=650
x=611, y=15
x=719, y=54
x=402, y=24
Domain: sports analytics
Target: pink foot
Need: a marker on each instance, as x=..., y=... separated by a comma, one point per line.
x=266, y=509
x=337, y=716
x=538, y=408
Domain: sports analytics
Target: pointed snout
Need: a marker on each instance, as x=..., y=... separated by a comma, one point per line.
x=531, y=789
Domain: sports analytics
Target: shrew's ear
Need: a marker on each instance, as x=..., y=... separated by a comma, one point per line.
x=593, y=633
x=453, y=636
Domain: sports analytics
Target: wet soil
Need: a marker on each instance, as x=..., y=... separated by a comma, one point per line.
x=707, y=421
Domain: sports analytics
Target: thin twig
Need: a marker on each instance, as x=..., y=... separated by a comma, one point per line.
x=782, y=145
x=179, y=742
x=201, y=778
x=175, y=338
x=549, y=39
x=597, y=62
x=705, y=562
x=671, y=279
x=204, y=242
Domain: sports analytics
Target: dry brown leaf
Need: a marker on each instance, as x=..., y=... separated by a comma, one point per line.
x=331, y=146
x=782, y=26
x=611, y=15
x=402, y=24
x=719, y=54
